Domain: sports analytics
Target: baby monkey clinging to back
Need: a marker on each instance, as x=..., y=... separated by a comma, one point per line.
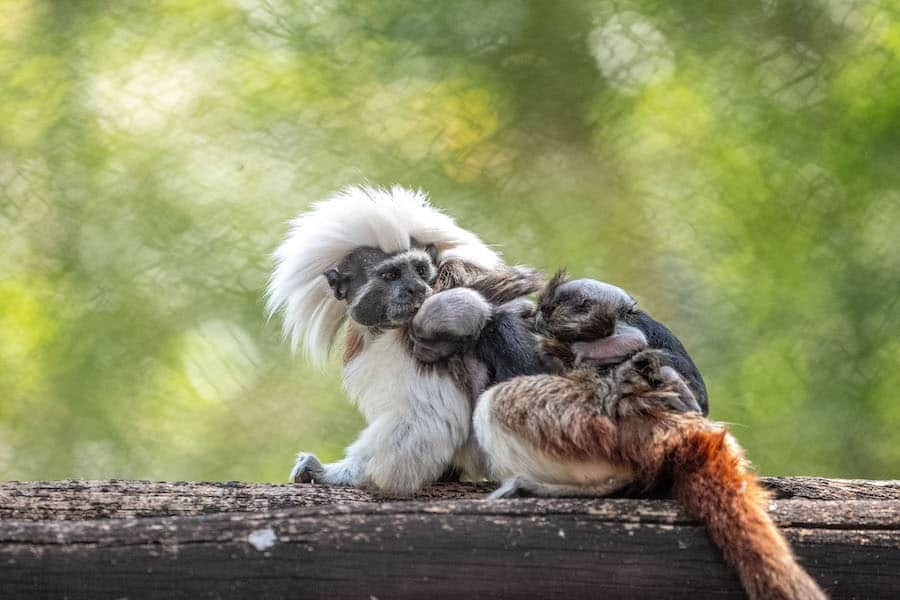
x=585, y=320
x=577, y=322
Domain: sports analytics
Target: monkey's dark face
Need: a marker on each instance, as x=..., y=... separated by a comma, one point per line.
x=580, y=309
x=384, y=290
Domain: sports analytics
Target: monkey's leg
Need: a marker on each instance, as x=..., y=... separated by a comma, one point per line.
x=547, y=435
x=647, y=383
x=307, y=469
x=557, y=435
x=408, y=453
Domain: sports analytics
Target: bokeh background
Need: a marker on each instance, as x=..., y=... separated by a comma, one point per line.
x=736, y=165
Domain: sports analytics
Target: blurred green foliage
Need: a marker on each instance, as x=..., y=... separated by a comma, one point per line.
x=734, y=164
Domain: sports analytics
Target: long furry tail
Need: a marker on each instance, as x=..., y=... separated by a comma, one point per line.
x=710, y=480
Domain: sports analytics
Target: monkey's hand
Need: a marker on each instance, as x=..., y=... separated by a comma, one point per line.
x=307, y=469
x=647, y=384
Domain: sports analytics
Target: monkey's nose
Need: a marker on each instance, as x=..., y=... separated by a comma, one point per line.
x=415, y=291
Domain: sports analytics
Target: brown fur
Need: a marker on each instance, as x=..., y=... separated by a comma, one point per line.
x=507, y=284
x=455, y=273
x=546, y=299
x=619, y=417
x=354, y=344
x=565, y=323
x=713, y=485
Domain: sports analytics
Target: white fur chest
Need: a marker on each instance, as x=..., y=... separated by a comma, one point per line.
x=379, y=378
x=384, y=379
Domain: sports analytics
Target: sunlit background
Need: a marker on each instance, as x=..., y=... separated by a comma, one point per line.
x=736, y=165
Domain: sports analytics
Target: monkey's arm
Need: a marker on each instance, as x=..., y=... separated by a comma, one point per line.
x=498, y=286
x=508, y=284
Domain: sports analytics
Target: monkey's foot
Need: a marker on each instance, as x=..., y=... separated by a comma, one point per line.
x=307, y=469
x=511, y=488
x=521, y=486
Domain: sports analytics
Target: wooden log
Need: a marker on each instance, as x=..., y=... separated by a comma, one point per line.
x=73, y=500
x=364, y=547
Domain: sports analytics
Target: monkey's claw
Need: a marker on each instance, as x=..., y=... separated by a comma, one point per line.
x=683, y=400
x=511, y=488
x=307, y=469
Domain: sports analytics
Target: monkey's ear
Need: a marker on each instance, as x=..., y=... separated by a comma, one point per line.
x=338, y=283
x=432, y=251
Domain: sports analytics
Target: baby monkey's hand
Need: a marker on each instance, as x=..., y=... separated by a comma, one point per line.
x=646, y=384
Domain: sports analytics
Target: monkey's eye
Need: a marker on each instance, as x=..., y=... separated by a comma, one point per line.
x=390, y=274
x=422, y=270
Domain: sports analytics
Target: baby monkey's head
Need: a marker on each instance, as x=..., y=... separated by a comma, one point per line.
x=580, y=309
x=384, y=290
x=585, y=319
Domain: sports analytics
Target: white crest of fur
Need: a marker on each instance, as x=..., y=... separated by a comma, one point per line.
x=321, y=237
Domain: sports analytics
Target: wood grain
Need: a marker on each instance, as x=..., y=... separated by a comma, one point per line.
x=308, y=541
x=74, y=500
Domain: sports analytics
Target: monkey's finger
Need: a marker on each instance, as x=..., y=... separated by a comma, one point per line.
x=683, y=404
x=692, y=405
x=307, y=469
x=686, y=401
x=511, y=488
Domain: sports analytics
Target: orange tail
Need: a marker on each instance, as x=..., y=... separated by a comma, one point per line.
x=711, y=482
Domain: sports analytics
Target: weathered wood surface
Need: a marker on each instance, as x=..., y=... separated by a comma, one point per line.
x=73, y=500
x=312, y=541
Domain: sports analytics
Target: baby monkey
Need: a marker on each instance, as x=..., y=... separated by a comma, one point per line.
x=495, y=341
x=588, y=321
x=580, y=322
